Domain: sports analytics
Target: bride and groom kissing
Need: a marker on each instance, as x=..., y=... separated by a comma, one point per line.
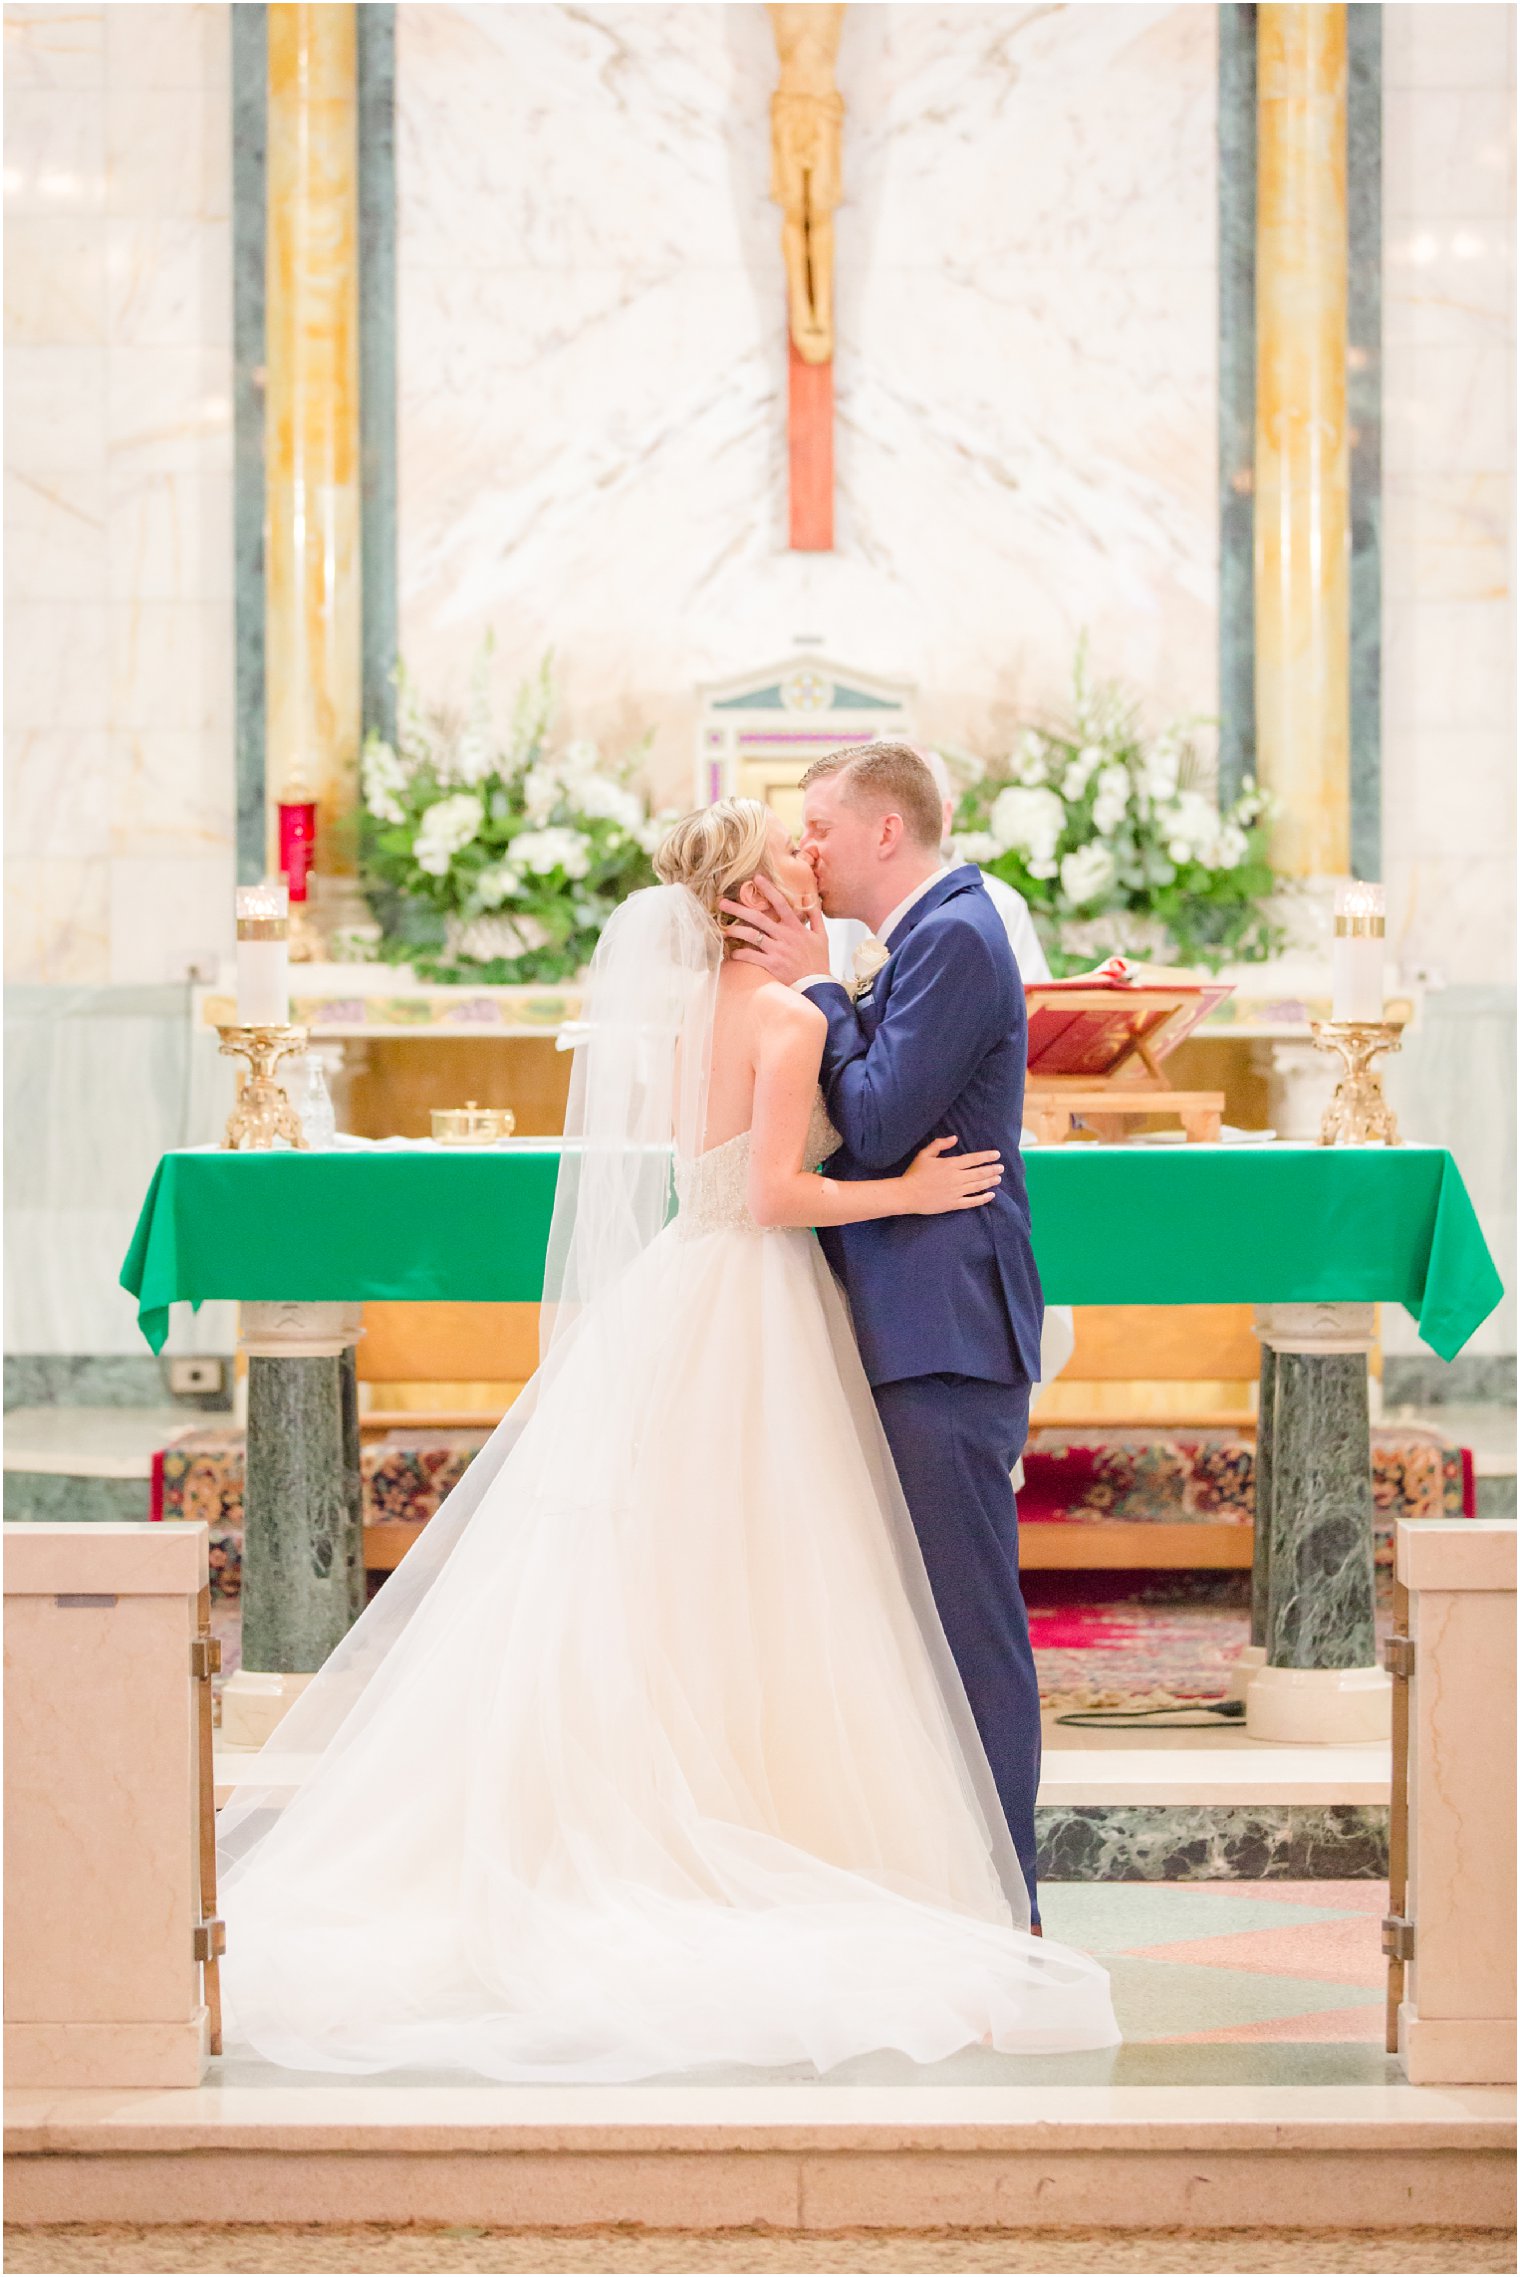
x=702, y=1725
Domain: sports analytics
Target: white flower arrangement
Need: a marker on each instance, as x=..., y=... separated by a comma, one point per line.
x=1117, y=842
x=498, y=858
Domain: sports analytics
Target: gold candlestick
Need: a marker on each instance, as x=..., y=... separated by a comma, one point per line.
x=263, y=1114
x=1358, y=1115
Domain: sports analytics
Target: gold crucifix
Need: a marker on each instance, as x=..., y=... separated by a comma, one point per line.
x=807, y=119
x=807, y=116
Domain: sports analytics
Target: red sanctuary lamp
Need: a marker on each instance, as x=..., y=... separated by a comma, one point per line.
x=298, y=843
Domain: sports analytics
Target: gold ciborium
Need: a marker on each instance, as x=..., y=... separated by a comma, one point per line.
x=263, y=1114
x=1358, y=1115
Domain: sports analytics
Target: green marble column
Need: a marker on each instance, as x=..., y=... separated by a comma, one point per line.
x=1319, y=1584
x=1261, y=1547
x=297, y=1592
x=348, y=1387
x=1312, y=1578
x=303, y=1555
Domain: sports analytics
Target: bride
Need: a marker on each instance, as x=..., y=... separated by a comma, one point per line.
x=652, y=1754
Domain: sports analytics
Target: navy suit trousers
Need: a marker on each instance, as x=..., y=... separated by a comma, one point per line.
x=954, y=1440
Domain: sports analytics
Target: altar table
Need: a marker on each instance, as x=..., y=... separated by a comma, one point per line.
x=1313, y=1236
x=1112, y=1225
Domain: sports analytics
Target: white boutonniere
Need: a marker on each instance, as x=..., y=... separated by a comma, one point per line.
x=867, y=963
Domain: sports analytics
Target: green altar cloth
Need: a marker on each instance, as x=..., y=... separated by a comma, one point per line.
x=1112, y=1224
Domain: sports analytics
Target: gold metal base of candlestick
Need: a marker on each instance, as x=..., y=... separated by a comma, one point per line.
x=1358, y=1115
x=263, y=1116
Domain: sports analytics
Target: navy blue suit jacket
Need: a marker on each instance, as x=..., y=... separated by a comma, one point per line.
x=936, y=1047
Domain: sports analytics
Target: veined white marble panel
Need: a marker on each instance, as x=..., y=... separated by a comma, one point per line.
x=171, y=665
x=118, y=488
x=57, y=792
x=1448, y=465
x=57, y=924
x=168, y=282
x=592, y=358
x=166, y=157
x=1446, y=537
x=55, y=281
x=171, y=408
x=55, y=408
x=1466, y=803
x=171, y=793
x=173, y=44
x=167, y=913
x=1456, y=43
x=55, y=533
x=1447, y=281
x=169, y=536
x=54, y=146
x=1455, y=152
x=50, y=46
x=55, y=654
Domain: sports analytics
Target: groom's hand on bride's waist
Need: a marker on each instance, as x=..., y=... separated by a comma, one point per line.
x=790, y=946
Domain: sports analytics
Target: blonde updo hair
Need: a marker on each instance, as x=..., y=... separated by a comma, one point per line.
x=715, y=851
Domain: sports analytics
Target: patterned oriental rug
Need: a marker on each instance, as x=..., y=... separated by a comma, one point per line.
x=1102, y=1640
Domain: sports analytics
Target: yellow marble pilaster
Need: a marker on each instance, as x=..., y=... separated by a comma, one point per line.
x=1303, y=476
x=312, y=575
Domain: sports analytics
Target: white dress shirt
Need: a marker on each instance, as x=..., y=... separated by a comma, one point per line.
x=846, y=933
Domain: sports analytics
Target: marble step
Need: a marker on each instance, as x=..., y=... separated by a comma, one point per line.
x=995, y=2144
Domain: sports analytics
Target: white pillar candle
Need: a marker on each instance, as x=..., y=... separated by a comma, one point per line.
x=263, y=956
x=1356, y=953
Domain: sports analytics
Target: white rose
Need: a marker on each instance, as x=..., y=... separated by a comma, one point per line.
x=542, y=792
x=382, y=776
x=1030, y=820
x=445, y=829
x=540, y=851
x=498, y=884
x=976, y=846
x=1086, y=872
x=606, y=801
x=1191, y=822
x=1230, y=848
x=1080, y=771
x=1163, y=763
x=578, y=760
x=1033, y=761
x=1112, y=801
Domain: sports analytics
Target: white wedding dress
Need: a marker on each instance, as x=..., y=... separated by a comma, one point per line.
x=667, y=1766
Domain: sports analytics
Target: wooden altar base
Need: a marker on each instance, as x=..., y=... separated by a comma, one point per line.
x=1053, y=1105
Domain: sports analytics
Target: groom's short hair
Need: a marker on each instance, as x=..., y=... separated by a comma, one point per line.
x=892, y=779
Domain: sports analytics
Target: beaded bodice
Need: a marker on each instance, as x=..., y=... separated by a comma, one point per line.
x=713, y=1191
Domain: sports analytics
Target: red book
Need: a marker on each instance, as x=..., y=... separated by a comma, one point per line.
x=1096, y=1024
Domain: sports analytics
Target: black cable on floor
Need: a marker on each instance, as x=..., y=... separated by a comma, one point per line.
x=1207, y=1715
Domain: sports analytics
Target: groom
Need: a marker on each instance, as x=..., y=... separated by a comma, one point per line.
x=947, y=1309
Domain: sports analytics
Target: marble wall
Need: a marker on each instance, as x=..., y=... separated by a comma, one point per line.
x=118, y=624
x=592, y=354
x=1448, y=471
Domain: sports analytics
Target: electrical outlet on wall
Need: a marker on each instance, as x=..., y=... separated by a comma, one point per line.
x=195, y=1375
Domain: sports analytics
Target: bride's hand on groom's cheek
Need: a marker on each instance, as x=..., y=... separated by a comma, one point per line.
x=773, y=934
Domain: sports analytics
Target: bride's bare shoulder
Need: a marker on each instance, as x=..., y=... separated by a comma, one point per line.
x=782, y=1012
